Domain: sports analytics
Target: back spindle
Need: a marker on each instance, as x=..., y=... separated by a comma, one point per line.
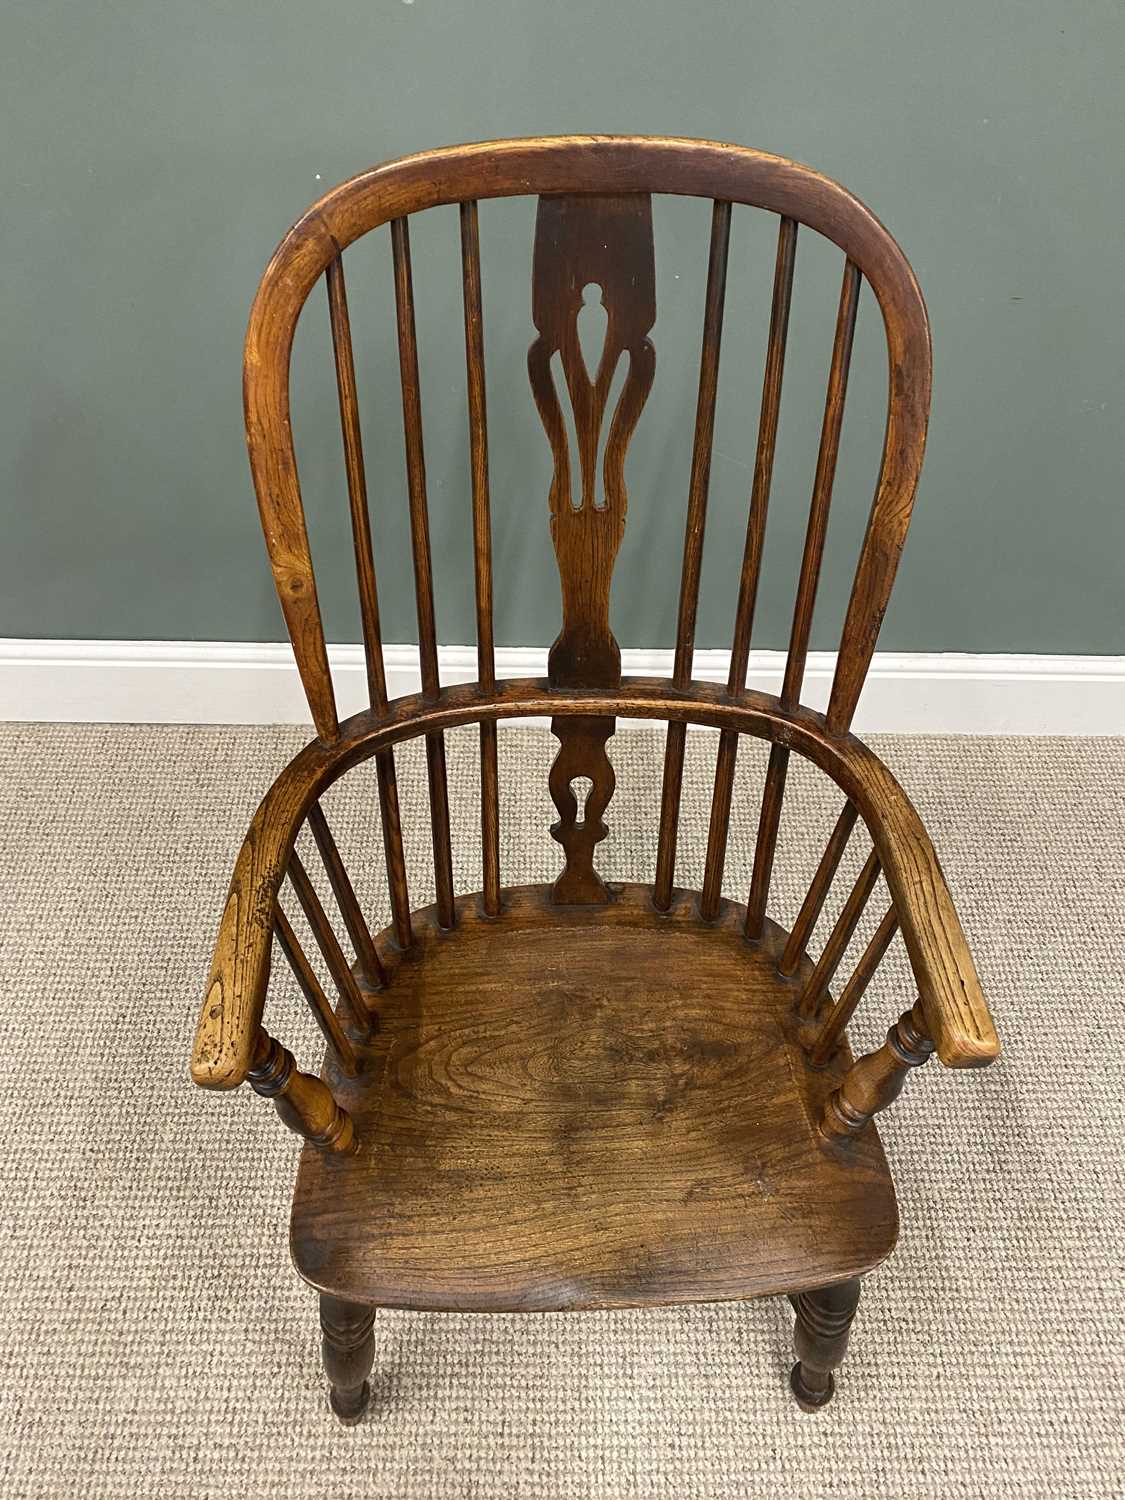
x=822, y=488
x=818, y=890
x=482, y=549
x=318, y=1001
x=423, y=567
x=774, y=793
x=361, y=1008
x=368, y=592
x=357, y=483
x=392, y=848
x=698, y=486
x=853, y=992
x=358, y=931
x=751, y=562
x=838, y=940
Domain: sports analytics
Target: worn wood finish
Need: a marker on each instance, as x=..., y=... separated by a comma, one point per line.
x=415, y=456
x=839, y=938
x=751, y=561
x=571, y=165
x=703, y=444
x=318, y=1002
x=423, y=564
x=815, y=535
x=439, y=825
x=820, y=1339
x=587, y=1095
x=817, y=893
x=478, y=441
x=359, y=1005
x=828, y=1036
x=490, y=818
x=482, y=546
x=957, y=1013
x=348, y=1350
x=675, y=745
x=583, y=243
x=393, y=852
x=876, y=1080
x=582, y=754
x=595, y=1118
x=695, y=526
x=370, y=968
x=763, y=461
x=357, y=482
x=817, y=531
x=369, y=609
x=769, y=820
x=305, y=1104
x=726, y=760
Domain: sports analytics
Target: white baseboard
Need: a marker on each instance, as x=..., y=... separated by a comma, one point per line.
x=214, y=682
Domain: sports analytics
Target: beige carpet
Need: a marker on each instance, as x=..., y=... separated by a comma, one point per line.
x=156, y=1342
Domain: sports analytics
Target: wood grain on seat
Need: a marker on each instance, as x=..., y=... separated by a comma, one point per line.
x=587, y=1107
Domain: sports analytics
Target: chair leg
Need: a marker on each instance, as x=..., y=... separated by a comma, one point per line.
x=348, y=1348
x=824, y=1321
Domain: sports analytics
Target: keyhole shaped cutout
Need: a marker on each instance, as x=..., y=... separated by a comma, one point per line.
x=580, y=788
x=593, y=325
x=592, y=328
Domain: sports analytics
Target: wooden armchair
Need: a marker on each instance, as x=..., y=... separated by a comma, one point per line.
x=587, y=1095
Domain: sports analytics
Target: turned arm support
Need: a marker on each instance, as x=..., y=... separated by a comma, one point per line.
x=951, y=1006
x=875, y=1080
x=226, y=1038
x=304, y=1103
x=231, y=1046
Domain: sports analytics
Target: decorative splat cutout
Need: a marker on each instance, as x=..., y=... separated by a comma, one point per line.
x=591, y=369
x=593, y=324
x=593, y=255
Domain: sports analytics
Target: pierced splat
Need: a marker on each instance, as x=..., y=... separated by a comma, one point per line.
x=581, y=243
x=581, y=759
x=585, y=246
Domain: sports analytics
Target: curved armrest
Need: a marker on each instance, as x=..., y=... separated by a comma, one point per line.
x=953, y=1005
x=954, y=1009
x=227, y=1034
x=240, y=971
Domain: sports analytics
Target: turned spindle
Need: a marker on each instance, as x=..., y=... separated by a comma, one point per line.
x=876, y=1079
x=348, y=1349
x=820, y=1339
x=304, y=1103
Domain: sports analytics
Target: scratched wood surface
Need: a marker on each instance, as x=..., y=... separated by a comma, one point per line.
x=554, y=1115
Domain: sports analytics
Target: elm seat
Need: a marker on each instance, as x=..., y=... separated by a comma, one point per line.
x=582, y=1095
x=551, y=1117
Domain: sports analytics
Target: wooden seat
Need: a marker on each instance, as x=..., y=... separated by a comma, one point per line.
x=582, y=1095
x=550, y=1117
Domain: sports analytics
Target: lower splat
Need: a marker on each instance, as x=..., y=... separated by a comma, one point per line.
x=580, y=828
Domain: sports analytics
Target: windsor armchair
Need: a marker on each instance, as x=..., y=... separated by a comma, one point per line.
x=587, y=1095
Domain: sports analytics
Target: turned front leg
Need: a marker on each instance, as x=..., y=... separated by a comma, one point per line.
x=876, y=1079
x=303, y=1102
x=820, y=1339
x=348, y=1347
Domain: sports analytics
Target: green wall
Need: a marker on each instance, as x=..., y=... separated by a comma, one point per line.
x=154, y=153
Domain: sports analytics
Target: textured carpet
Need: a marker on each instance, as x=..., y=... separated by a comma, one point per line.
x=155, y=1340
